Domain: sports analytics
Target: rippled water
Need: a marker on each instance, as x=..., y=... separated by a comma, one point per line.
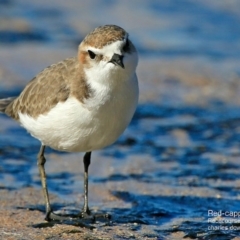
x=168, y=29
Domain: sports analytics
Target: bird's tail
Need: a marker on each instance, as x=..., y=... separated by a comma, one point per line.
x=5, y=102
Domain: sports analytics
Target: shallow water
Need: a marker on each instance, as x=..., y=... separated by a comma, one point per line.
x=179, y=158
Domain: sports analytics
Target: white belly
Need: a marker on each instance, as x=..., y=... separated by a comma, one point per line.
x=75, y=127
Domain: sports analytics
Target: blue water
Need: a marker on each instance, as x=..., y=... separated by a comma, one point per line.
x=185, y=28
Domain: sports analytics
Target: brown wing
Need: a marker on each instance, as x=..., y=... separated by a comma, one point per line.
x=5, y=102
x=43, y=92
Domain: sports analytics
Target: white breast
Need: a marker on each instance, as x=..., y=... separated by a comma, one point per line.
x=73, y=126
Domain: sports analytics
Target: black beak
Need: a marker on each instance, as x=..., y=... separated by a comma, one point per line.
x=117, y=60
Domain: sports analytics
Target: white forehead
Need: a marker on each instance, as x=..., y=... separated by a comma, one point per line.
x=110, y=49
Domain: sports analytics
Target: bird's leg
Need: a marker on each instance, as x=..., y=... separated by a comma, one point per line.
x=86, y=211
x=86, y=161
x=49, y=214
x=41, y=162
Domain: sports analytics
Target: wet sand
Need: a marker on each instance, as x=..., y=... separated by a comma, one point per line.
x=179, y=159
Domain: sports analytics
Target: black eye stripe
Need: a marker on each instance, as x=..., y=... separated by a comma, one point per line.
x=92, y=55
x=126, y=47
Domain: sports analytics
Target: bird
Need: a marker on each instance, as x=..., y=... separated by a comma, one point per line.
x=81, y=104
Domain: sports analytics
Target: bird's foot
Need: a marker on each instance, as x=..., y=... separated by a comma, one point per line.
x=68, y=219
x=51, y=216
x=84, y=219
x=95, y=216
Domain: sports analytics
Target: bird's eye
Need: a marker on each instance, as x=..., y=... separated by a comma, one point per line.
x=92, y=55
x=126, y=47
